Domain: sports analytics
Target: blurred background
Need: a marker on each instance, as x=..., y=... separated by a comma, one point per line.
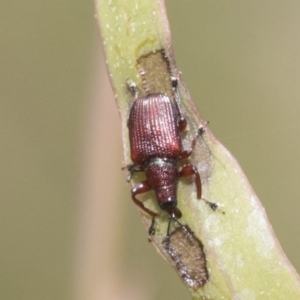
x=241, y=63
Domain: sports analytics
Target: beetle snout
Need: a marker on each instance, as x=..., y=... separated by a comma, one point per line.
x=168, y=204
x=166, y=196
x=171, y=208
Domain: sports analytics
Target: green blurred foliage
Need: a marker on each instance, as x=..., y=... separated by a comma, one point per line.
x=46, y=56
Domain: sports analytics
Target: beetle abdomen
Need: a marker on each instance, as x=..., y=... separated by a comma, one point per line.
x=153, y=128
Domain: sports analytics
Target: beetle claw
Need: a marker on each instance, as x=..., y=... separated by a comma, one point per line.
x=132, y=87
x=174, y=82
x=202, y=129
x=151, y=230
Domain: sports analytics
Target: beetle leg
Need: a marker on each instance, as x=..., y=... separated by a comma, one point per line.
x=189, y=170
x=187, y=153
x=140, y=188
x=131, y=169
x=132, y=87
x=151, y=230
x=182, y=121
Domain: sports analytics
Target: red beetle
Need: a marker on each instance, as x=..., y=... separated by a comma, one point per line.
x=155, y=122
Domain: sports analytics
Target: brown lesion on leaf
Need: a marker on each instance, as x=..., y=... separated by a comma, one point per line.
x=187, y=253
x=155, y=72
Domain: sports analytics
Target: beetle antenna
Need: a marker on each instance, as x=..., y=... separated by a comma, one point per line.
x=172, y=217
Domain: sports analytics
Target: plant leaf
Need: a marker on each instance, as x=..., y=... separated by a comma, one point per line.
x=243, y=257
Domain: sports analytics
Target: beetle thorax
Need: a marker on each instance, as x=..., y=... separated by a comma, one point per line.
x=162, y=175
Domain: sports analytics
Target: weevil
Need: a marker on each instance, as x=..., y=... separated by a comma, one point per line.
x=155, y=124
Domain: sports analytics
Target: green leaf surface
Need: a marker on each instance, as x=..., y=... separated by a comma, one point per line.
x=243, y=257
